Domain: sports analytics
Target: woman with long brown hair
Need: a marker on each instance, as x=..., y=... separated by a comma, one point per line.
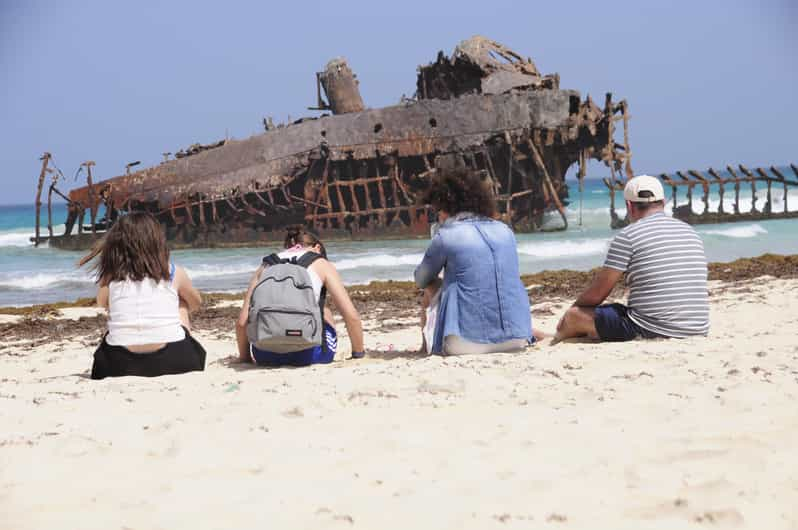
x=148, y=300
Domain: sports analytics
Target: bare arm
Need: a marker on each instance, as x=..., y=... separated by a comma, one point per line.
x=186, y=291
x=244, y=314
x=102, y=296
x=242, y=340
x=601, y=286
x=332, y=281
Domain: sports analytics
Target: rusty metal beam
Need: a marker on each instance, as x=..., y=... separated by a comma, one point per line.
x=249, y=208
x=721, y=190
x=45, y=158
x=547, y=180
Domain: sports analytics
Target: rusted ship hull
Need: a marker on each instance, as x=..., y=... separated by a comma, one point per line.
x=357, y=175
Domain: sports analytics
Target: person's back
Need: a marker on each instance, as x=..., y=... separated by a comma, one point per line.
x=485, y=299
x=148, y=300
x=666, y=273
x=303, y=249
x=143, y=312
x=482, y=306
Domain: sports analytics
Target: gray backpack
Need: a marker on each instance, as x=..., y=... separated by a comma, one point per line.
x=284, y=315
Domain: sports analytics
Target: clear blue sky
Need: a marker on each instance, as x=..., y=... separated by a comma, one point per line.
x=708, y=82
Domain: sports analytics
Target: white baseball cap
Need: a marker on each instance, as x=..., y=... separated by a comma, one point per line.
x=643, y=188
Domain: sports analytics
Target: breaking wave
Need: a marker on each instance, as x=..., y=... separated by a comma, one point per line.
x=44, y=281
x=378, y=260
x=210, y=271
x=567, y=248
x=739, y=231
x=16, y=238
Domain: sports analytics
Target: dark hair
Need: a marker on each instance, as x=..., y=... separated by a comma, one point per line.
x=134, y=248
x=646, y=206
x=300, y=235
x=461, y=190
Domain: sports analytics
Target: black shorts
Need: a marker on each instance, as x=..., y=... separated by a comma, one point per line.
x=613, y=324
x=185, y=355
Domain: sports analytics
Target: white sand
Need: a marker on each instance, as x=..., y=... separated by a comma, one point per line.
x=655, y=434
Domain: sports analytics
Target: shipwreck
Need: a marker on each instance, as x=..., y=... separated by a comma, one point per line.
x=717, y=184
x=356, y=173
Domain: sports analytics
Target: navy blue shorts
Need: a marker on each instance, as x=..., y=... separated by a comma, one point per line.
x=613, y=324
x=314, y=355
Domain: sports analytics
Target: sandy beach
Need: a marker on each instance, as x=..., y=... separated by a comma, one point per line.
x=651, y=434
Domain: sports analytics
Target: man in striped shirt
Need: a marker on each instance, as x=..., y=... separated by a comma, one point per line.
x=666, y=273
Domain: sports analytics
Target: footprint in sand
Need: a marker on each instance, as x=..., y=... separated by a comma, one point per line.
x=73, y=445
x=695, y=454
x=687, y=510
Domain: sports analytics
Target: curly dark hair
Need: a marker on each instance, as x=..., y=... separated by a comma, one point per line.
x=460, y=190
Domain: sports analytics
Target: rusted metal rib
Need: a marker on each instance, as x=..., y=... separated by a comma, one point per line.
x=250, y=209
x=547, y=179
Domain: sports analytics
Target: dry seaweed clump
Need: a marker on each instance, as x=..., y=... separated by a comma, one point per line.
x=556, y=284
x=46, y=310
x=384, y=291
x=775, y=265
x=29, y=332
x=212, y=299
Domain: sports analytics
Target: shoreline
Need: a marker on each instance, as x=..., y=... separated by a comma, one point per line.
x=557, y=282
x=383, y=305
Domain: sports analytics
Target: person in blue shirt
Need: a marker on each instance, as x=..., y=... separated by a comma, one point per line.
x=480, y=305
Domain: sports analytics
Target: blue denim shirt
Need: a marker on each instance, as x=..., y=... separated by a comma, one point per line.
x=482, y=298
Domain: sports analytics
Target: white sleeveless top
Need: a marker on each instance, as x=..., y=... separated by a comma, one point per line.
x=144, y=312
x=297, y=252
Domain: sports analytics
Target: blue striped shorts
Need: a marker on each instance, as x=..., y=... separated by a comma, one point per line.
x=314, y=355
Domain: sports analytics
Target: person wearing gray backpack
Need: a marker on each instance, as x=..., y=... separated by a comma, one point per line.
x=283, y=320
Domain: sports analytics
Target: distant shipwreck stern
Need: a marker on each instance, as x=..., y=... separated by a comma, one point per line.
x=357, y=173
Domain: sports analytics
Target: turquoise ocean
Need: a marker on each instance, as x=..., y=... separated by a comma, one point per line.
x=31, y=275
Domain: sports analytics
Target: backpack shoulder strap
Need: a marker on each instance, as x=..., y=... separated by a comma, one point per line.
x=272, y=259
x=307, y=259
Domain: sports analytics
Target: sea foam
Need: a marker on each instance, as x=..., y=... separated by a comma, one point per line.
x=744, y=231
x=15, y=238
x=210, y=271
x=44, y=280
x=559, y=249
x=378, y=260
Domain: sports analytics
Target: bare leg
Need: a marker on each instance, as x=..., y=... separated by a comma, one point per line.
x=577, y=322
x=242, y=341
x=182, y=310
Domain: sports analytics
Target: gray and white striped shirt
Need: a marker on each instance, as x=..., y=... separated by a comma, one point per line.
x=666, y=272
